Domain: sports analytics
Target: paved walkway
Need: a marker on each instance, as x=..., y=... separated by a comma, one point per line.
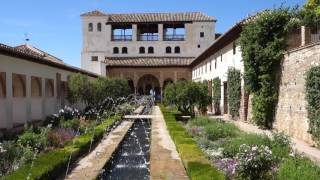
x=298, y=145
x=90, y=166
x=165, y=162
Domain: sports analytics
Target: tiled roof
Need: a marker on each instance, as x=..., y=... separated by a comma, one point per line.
x=148, y=61
x=29, y=53
x=153, y=17
x=37, y=52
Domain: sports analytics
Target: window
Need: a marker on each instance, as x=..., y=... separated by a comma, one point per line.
x=142, y=50
x=18, y=85
x=94, y=58
x=115, y=50
x=49, y=88
x=177, y=50
x=234, y=48
x=90, y=27
x=99, y=27
x=215, y=64
x=210, y=66
x=150, y=50
x=2, y=84
x=221, y=58
x=199, y=46
x=201, y=34
x=168, y=50
x=36, y=87
x=124, y=50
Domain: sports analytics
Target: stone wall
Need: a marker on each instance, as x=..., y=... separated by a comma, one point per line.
x=291, y=112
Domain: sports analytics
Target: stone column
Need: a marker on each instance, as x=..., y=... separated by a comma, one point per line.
x=28, y=98
x=134, y=32
x=43, y=93
x=161, y=94
x=160, y=32
x=305, y=35
x=175, y=77
x=9, y=98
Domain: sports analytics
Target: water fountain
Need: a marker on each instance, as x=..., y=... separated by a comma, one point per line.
x=131, y=160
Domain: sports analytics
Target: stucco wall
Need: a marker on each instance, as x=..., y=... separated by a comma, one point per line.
x=219, y=66
x=19, y=110
x=99, y=43
x=291, y=112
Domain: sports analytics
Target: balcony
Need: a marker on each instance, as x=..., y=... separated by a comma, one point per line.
x=121, y=38
x=148, y=37
x=173, y=37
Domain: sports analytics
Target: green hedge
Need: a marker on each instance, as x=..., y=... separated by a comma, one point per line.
x=313, y=98
x=234, y=91
x=216, y=94
x=54, y=163
x=194, y=160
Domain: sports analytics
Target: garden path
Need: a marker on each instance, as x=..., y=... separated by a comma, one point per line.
x=165, y=162
x=301, y=147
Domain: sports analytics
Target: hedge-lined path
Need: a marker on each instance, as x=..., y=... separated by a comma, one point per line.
x=91, y=166
x=301, y=147
x=165, y=162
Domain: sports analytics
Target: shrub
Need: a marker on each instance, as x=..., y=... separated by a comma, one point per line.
x=234, y=91
x=58, y=137
x=281, y=146
x=298, y=168
x=195, y=131
x=231, y=147
x=73, y=123
x=313, y=99
x=218, y=130
x=201, y=121
x=216, y=94
x=255, y=162
x=31, y=139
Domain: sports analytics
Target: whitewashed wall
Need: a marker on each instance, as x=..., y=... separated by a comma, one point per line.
x=19, y=110
x=203, y=72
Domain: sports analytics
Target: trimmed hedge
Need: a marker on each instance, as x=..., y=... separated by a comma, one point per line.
x=54, y=163
x=194, y=160
x=234, y=91
x=312, y=87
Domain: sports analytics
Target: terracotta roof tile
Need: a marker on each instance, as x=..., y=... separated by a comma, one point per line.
x=153, y=17
x=148, y=61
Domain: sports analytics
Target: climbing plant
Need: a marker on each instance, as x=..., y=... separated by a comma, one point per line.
x=263, y=44
x=234, y=91
x=313, y=98
x=216, y=91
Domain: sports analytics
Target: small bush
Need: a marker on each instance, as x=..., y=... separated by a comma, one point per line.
x=58, y=137
x=218, y=130
x=34, y=140
x=201, y=121
x=280, y=146
x=255, y=162
x=298, y=168
x=231, y=147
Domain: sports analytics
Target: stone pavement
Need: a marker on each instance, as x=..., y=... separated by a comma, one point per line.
x=90, y=166
x=165, y=162
x=301, y=147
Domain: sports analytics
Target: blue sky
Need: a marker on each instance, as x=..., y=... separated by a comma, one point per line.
x=55, y=26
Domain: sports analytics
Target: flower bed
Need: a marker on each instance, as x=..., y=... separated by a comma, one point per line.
x=54, y=163
x=249, y=156
x=194, y=160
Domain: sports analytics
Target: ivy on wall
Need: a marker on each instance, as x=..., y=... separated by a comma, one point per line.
x=216, y=91
x=263, y=44
x=234, y=91
x=313, y=98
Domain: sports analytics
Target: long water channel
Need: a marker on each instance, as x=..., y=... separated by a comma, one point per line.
x=131, y=160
